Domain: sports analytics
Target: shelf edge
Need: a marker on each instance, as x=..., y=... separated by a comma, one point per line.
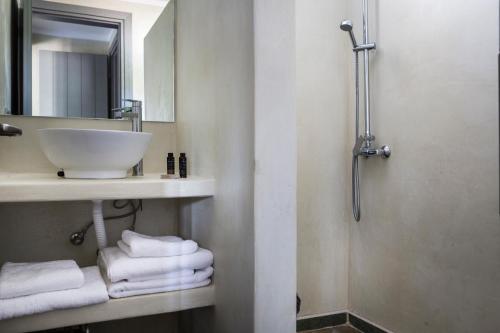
x=114, y=309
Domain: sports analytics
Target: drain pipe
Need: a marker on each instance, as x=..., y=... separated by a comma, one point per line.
x=100, y=229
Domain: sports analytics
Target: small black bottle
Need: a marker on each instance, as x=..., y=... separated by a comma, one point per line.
x=170, y=164
x=183, y=165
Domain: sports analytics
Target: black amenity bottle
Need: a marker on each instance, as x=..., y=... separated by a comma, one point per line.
x=183, y=165
x=170, y=164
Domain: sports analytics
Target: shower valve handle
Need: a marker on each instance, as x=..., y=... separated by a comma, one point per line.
x=386, y=151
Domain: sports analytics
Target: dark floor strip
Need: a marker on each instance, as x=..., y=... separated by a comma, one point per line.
x=363, y=326
x=321, y=322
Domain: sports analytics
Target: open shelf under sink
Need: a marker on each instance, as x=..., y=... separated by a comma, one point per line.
x=48, y=187
x=114, y=309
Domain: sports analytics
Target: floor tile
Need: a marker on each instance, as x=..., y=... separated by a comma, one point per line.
x=337, y=329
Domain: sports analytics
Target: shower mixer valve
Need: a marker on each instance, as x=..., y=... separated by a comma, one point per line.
x=364, y=147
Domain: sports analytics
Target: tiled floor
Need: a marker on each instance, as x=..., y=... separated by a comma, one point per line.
x=337, y=329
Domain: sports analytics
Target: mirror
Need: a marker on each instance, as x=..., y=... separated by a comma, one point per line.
x=83, y=58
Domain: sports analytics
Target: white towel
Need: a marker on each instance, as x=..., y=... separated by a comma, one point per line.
x=170, y=275
x=119, y=266
x=22, y=279
x=121, y=287
x=92, y=292
x=138, y=245
x=120, y=294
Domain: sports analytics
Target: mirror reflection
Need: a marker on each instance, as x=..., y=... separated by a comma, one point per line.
x=84, y=58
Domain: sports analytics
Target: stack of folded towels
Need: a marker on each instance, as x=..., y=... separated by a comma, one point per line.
x=146, y=265
x=29, y=288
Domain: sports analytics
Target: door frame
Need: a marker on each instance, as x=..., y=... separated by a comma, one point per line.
x=111, y=97
x=92, y=16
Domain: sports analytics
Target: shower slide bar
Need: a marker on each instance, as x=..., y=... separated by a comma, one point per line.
x=364, y=144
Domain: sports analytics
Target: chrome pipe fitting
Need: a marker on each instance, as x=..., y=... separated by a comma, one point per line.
x=369, y=46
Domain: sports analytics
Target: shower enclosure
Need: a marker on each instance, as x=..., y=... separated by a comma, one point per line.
x=364, y=144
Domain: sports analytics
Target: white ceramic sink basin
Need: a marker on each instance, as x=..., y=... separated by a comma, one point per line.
x=89, y=153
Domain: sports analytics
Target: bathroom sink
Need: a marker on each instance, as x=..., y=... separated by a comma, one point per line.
x=95, y=154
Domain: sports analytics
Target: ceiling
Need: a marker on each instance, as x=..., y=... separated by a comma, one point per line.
x=161, y=3
x=45, y=26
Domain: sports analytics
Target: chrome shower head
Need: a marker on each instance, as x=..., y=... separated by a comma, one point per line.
x=346, y=25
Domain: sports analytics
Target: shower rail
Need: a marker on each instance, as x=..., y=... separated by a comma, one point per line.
x=364, y=144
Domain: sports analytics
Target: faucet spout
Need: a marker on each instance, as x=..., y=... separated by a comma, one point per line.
x=134, y=113
x=9, y=130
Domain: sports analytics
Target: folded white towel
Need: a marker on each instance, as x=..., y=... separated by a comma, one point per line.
x=120, y=294
x=121, y=287
x=92, y=292
x=21, y=279
x=119, y=266
x=138, y=245
x=170, y=275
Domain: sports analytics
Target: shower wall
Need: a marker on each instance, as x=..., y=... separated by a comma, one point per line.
x=323, y=61
x=425, y=256
x=214, y=94
x=235, y=89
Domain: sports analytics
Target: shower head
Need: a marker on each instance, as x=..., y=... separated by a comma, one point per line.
x=346, y=25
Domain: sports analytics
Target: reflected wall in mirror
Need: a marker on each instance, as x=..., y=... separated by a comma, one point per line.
x=82, y=58
x=5, y=57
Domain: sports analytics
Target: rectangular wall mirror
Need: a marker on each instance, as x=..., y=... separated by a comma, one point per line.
x=83, y=58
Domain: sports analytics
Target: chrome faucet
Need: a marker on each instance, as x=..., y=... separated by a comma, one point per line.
x=9, y=130
x=134, y=113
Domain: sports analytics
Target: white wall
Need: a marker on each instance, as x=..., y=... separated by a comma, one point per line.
x=323, y=205
x=159, y=67
x=215, y=127
x=275, y=166
x=425, y=256
x=23, y=153
x=251, y=223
